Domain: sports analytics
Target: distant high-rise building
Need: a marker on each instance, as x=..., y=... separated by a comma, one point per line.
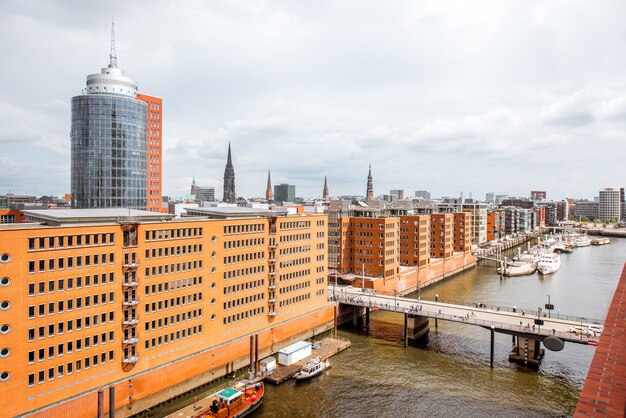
x=284, y=193
x=490, y=197
x=398, y=193
x=325, y=191
x=229, y=181
x=538, y=195
x=423, y=194
x=610, y=205
x=269, y=196
x=205, y=194
x=369, y=194
x=115, y=143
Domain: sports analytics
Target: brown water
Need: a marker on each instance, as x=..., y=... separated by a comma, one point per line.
x=449, y=376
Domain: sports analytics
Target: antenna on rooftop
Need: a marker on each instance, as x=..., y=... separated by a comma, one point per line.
x=113, y=54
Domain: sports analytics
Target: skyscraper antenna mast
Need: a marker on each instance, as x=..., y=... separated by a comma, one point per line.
x=113, y=54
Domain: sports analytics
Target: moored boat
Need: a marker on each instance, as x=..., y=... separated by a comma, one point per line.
x=581, y=241
x=519, y=268
x=600, y=241
x=312, y=368
x=234, y=402
x=549, y=263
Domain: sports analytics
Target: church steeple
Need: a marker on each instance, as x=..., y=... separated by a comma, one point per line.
x=325, y=192
x=229, y=181
x=370, y=185
x=269, y=195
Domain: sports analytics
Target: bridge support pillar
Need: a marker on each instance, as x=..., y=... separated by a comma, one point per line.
x=406, y=330
x=415, y=327
x=493, y=332
x=367, y=317
x=527, y=353
x=355, y=316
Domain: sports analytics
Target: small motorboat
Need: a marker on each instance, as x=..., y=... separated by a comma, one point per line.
x=312, y=368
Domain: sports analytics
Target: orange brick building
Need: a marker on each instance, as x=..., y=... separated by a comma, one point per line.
x=154, y=152
x=150, y=306
x=495, y=220
x=415, y=240
x=441, y=235
x=462, y=241
x=420, y=248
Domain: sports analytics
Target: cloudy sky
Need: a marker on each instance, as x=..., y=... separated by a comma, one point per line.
x=472, y=96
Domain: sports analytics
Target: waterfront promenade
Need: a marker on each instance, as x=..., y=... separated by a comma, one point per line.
x=604, y=393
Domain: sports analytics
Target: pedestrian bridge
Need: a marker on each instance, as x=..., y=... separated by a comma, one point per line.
x=528, y=324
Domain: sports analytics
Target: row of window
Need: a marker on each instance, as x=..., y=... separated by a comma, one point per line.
x=172, y=251
x=242, y=243
x=70, y=262
x=295, y=237
x=294, y=275
x=163, y=234
x=244, y=286
x=295, y=262
x=231, y=274
x=61, y=306
x=69, y=368
x=295, y=250
x=68, y=347
x=70, y=325
x=295, y=287
x=240, y=229
x=295, y=224
x=230, y=319
x=231, y=259
x=68, y=241
x=234, y=303
x=173, y=285
x=295, y=299
x=172, y=336
x=172, y=302
x=173, y=268
x=70, y=283
x=173, y=319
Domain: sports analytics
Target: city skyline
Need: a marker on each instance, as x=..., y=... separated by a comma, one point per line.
x=306, y=94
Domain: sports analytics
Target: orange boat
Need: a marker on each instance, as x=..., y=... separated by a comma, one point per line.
x=235, y=402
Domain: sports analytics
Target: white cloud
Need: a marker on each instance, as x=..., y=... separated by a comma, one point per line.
x=434, y=94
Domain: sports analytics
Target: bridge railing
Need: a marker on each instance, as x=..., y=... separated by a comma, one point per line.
x=528, y=328
x=497, y=307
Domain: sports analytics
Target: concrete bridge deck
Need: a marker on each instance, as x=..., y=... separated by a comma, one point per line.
x=520, y=323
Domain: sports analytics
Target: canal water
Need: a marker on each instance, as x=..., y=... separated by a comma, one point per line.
x=449, y=376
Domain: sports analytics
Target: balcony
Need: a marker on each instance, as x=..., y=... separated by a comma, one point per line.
x=130, y=321
x=130, y=265
x=131, y=360
x=130, y=302
x=130, y=284
x=272, y=300
x=133, y=340
x=272, y=260
x=272, y=313
x=272, y=273
x=273, y=286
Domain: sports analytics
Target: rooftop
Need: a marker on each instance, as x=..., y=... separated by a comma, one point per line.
x=102, y=215
x=234, y=212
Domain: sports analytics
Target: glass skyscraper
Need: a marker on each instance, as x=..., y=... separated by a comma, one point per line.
x=109, y=142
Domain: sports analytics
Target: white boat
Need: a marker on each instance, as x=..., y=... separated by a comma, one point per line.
x=549, y=263
x=581, y=241
x=519, y=268
x=312, y=368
